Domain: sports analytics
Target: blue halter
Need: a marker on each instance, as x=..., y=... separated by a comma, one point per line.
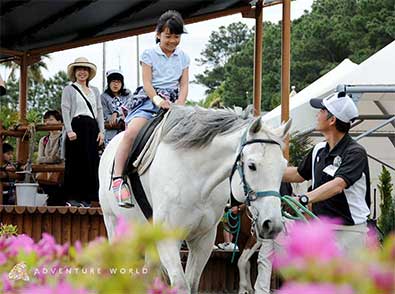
x=250, y=194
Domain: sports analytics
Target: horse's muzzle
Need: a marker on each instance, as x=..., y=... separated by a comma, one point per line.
x=270, y=229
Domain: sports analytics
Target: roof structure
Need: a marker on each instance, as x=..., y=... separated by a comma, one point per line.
x=45, y=26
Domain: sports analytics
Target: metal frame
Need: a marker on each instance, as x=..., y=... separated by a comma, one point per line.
x=356, y=91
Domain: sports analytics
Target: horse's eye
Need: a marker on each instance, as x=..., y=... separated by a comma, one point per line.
x=252, y=166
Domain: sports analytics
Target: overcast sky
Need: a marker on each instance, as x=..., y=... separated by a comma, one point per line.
x=122, y=53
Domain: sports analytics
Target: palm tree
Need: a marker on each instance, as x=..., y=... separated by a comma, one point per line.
x=34, y=71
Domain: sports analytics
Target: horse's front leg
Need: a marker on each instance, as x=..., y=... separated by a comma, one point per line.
x=199, y=252
x=244, y=266
x=170, y=258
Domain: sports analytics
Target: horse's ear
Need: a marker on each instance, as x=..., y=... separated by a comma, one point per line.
x=255, y=126
x=283, y=130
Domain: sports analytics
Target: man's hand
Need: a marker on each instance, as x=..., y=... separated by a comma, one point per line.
x=235, y=209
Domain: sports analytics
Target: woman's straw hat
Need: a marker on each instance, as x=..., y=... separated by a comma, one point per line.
x=81, y=61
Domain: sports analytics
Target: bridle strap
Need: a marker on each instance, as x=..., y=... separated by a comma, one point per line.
x=239, y=167
x=267, y=141
x=267, y=193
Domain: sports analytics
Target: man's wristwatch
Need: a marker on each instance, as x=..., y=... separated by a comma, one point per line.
x=304, y=200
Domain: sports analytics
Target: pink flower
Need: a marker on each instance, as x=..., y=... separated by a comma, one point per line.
x=123, y=228
x=3, y=242
x=38, y=272
x=324, y=288
x=3, y=258
x=62, y=250
x=158, y=287
x=20, y=242
x=78, y=246
x=306, y=242
x=383, y=278
x=61, y=288
x=7, y=285
x=96, y=241
x=46, y=246
x=372, y=241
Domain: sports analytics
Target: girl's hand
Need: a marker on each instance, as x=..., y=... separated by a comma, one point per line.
x=72, y=136
x=179, y=102
x=165, y=104
x=161, y=102
x=100, y=139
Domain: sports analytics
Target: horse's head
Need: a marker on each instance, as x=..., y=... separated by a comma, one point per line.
x=257, y=175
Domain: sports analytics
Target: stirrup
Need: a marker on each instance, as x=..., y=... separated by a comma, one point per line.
x=122, y=192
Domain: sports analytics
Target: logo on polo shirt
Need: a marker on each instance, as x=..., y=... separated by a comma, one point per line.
x=337, y=161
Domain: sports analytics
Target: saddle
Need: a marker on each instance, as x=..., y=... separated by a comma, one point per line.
x=131, y=171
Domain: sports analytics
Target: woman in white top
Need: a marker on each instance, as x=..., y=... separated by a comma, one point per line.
x=83, y=122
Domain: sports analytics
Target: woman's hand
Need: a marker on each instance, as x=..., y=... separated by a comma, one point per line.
x=72, y=136
x=100, y=138
x=113, y=119
x=179, y=102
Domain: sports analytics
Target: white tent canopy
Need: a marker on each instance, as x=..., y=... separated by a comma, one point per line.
x=375, y=79
x=300, y=111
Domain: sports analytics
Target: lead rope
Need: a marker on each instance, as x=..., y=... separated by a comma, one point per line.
x=297, y=207
x=233, y=229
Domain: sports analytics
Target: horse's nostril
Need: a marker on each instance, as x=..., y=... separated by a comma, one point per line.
x=267, y=226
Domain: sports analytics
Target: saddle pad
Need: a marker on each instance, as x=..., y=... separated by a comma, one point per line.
x=142, y=138
x=147, y=155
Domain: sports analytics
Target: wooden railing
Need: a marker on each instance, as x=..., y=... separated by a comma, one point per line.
x=66, y=224
x=23, y=133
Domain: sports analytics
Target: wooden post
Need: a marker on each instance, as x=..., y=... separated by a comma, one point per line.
x=258, y=59
x=285, y=65
x=23, y=143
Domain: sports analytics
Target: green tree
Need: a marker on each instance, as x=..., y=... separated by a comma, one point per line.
x=221, y=45
x=299, y=147
x=386, y=220
x=238, y=79
x=320, y=40
x=41, y=95
x=34, y=70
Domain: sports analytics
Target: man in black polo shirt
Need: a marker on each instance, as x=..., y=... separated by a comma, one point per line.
x=339, y=171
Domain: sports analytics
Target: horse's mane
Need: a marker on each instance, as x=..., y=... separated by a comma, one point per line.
x=193, y=126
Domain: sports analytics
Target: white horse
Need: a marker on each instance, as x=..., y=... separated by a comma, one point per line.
x=185, y=182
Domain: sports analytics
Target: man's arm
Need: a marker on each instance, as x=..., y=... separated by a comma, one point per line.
x=327, y=190
x=291, y=175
